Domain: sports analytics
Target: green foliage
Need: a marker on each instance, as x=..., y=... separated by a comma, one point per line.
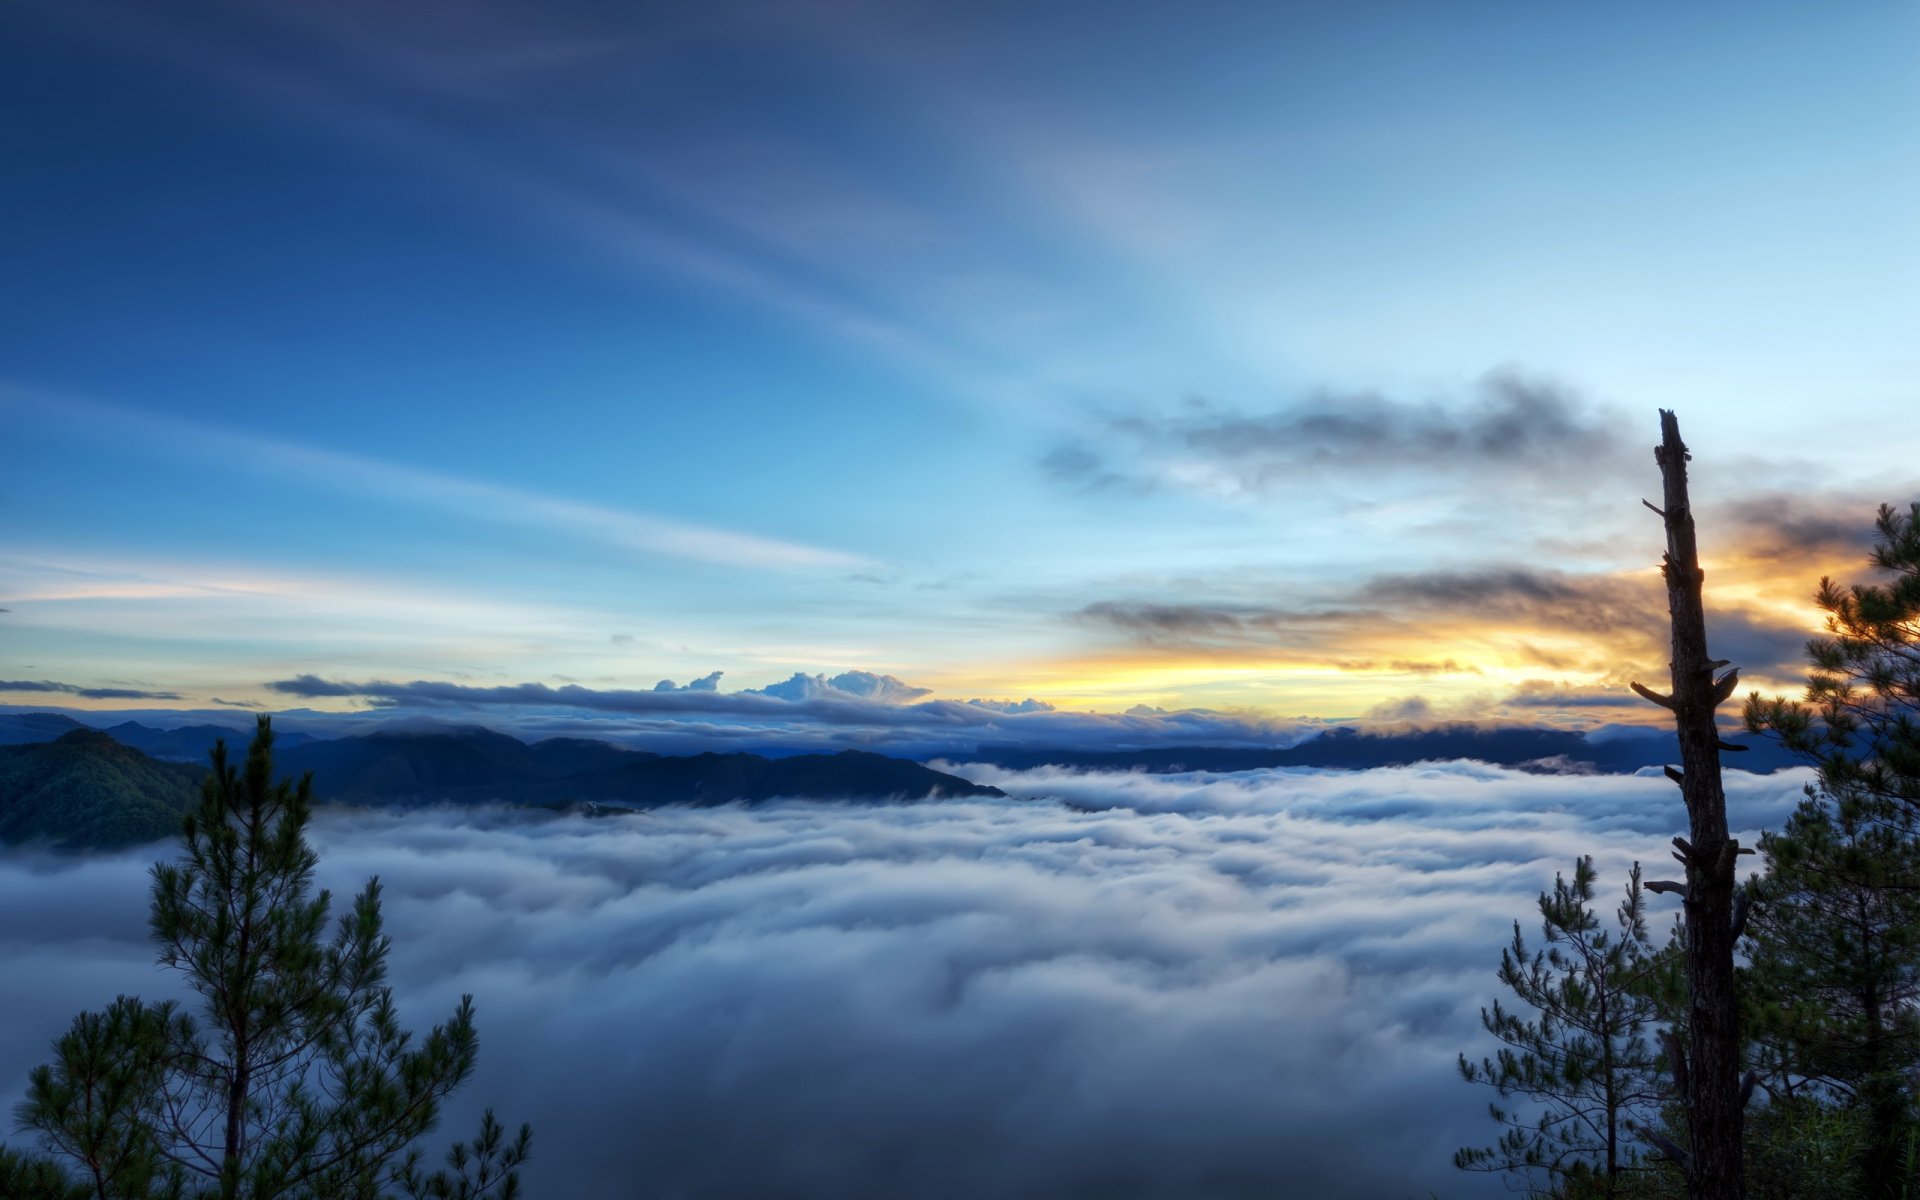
x=489, y=1161
x=293, y=1080
x=23, y=1177
x=86, y=791
x=1835, y=940
x=1584, y=1059
x=1801, y=1149
x=100, y=1102
x=1831, y=995
x=1860, y=720
x=1835, y=946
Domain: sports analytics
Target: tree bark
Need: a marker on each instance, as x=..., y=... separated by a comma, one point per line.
x=1711, y=1071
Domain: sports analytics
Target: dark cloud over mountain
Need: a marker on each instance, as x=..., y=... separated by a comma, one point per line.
x=1160, y=986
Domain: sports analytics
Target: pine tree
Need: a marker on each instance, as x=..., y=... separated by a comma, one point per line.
x=1860, y=720
x=1836, y=952
x=1584, y=1058
x=293, y=1079
x=1835, y=966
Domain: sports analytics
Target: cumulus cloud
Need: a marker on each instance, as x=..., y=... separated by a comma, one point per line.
x=85, y=693
x=706, y=683
x=860, y=685
x=1119, y=985
x=1405, y=708
x=1030, y=705
x=1509, y=427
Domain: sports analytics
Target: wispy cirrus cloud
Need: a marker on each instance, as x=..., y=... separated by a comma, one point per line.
x=476, y=500
x=413, y=89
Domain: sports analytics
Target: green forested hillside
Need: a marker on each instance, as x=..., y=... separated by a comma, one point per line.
x=85, y=791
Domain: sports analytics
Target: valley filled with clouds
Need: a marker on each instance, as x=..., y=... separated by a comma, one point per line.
x=1247, y=984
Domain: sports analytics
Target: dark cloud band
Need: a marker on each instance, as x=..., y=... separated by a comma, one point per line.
x=85, y=693
x=1510, y=424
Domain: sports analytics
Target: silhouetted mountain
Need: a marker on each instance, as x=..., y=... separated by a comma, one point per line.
x=83, y=790
x=18, y=728
x=86, y=790
x=395, y=766
x=721, y=778
x=563, y=756
x=192, y=743
x=1530, y=748
x=473, y=765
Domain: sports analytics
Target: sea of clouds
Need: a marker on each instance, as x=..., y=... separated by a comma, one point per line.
x=1113, y=985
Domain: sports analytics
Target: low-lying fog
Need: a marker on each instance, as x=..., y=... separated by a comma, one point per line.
x=1169, y=986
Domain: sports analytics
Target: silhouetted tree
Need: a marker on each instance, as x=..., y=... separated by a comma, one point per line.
x=1584, y=1057
x=1706, y=1052
x=1835, y=967
x=292, y=1079
x=1836, y=952
x=1860, y=720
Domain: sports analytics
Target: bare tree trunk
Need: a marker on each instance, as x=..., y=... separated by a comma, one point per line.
x=1710, y=1075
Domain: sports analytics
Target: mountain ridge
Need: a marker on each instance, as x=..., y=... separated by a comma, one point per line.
x=86, y=789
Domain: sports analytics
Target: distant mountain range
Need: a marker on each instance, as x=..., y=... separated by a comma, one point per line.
x=472, y=765
x=87, y=788
x=65, y=782
x=187, y=743
x=1525, y=747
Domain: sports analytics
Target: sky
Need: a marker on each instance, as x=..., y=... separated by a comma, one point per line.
x=1271, y=364
x=1121, y=985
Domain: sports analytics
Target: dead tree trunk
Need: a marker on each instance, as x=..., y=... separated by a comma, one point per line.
x=1709, y=1067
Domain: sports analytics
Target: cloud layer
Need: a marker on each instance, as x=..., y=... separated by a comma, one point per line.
x=1121, y=985
x=85, y=693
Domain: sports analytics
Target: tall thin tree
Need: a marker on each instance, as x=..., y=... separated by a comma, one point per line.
x=1707, y=1061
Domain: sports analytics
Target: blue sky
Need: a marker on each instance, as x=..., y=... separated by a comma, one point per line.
x=1292, y=360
